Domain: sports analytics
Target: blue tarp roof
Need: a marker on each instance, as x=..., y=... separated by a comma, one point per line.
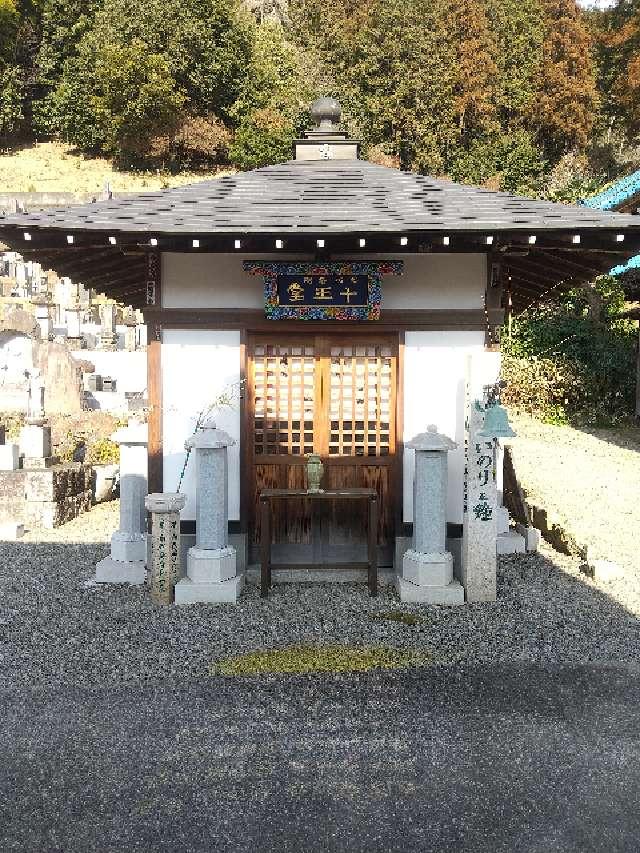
x=615, y=194
x=611, y=198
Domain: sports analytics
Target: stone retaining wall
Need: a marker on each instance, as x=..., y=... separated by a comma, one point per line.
x=48, y=497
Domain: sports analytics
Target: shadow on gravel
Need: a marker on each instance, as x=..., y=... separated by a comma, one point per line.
x=626, y=437
x=518, y=758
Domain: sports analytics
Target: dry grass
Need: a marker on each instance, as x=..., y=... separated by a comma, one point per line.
x=54, y=167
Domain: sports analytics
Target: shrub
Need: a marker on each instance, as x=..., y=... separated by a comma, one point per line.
x=198, y=141
x=117, y=98
x=103, y=452
x=575, y=360
x=263, y=137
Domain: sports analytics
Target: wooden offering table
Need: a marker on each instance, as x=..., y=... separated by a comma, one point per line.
x=268, y=495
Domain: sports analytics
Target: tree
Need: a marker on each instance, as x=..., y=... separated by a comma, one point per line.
x=144, y=68
x=617, y=34
x=567, y=100
x=273, y=100
x=12, y=76
x=131, y=98
x=264, y=137
x=64, y=24
x=518, y=30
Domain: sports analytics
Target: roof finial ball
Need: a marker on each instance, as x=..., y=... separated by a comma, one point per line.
x=326, y=113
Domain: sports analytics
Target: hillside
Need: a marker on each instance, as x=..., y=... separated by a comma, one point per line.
x=55, y=167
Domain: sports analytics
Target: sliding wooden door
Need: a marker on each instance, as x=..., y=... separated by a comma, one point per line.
x=335, y=396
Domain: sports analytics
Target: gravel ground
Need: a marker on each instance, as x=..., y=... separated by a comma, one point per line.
x=58, y=628
x=510, y=759
x=522, y=735
x=588, y=480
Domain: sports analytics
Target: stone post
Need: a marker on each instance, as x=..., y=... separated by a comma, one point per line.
x=165, y=544
x=427, y=569
x=129, y=543
x=479, y=529
x=211, y=564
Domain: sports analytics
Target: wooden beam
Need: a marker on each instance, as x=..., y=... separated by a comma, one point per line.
x=154, y=390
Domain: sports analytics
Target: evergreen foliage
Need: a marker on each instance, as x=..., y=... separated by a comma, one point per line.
x=487, y=91
x=573, y=360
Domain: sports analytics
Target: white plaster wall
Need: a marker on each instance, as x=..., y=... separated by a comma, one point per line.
x=196, y=367
x=218, y=281
x=435, y=369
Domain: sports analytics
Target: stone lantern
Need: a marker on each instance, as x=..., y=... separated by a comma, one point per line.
x=427, y=569
x=127, y=562
x=211, y=564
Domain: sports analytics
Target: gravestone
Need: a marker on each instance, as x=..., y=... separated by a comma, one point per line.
x=35, y=435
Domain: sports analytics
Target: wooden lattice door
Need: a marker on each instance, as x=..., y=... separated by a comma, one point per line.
x=337, y=398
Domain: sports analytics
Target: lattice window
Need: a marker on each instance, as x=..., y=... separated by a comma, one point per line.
x=361, y=396
x=284, y=399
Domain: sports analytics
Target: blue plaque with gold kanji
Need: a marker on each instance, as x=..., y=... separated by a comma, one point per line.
x=330, y=291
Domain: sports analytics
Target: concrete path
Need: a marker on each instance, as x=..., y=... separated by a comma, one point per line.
x=521, y=758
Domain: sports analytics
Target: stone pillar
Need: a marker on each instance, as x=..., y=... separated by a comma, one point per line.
x=211, y=564
x=165, y=544
x=427, y=569
x=479, y=530
x=128, y=558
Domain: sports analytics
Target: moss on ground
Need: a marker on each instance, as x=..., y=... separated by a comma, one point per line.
x=298, y=660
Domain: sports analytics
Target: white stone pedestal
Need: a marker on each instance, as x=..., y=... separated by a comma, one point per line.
x=11, y=531
x=127, y=562
x=165, y=544
x=35, y=441
x=427, y=569
x=211, y=565
x=9, y=457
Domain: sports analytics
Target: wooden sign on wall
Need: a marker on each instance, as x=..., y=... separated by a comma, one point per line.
x=323, y=291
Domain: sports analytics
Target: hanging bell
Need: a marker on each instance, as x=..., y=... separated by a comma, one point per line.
x=496, y=423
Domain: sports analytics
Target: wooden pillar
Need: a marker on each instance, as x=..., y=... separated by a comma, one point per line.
x=154, y=372
x=492, y=300
x=638, y=375
x=154, y=390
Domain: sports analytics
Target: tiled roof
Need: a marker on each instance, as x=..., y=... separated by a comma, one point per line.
x=334, y=196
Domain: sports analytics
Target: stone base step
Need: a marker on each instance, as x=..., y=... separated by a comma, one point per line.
x=502, y=519
x=11, y=531
x=510, y=543
x=531, y=536
x=452, y=594
x=115, y=571
x=227, y=592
